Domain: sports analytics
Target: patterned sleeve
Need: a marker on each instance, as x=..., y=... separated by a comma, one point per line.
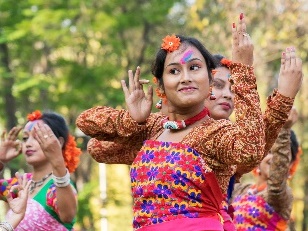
x=241, y=142
x=279, y=194
x=117, y=137
x=113, y=152
x=51, y=197
x=276, y=114
x=105, y=123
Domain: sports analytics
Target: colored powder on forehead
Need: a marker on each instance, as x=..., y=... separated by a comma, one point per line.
x=186, y=56
x=29, y=126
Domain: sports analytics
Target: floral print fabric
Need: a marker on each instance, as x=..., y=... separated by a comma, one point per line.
x=171, y=181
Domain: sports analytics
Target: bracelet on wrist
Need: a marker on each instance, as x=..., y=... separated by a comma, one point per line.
x=63, y=181
x=4, y=225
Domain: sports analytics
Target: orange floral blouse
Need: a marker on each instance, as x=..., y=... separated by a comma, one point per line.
x=220, y=143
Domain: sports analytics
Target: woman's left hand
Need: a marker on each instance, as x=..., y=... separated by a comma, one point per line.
x=49, y=143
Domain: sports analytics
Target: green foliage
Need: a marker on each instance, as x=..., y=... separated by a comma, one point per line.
x=68, y=56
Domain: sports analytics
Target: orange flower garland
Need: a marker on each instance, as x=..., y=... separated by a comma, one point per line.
x=171, y=43
x=71, y=154
x=36, y=115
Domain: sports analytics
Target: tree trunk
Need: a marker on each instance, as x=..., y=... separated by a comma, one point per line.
x=8, y=82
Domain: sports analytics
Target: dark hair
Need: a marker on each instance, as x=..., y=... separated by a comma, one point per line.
x=218, y=58
x=159, y=62
x=57, y=124
x=294, y=146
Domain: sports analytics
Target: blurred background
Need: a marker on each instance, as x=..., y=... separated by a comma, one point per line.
x=68, y=56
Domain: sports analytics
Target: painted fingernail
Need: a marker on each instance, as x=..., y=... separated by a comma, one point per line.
x=293, y=49
x=288, y=49
x=241, y=16
x=233, y=25
x=283, y=54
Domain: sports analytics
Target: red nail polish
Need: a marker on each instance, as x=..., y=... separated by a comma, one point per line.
x=241, y=16
x=283, y=54
x=233, y=25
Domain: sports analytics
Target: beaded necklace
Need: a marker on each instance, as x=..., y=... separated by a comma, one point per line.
x=35, y=184
x=180, y=124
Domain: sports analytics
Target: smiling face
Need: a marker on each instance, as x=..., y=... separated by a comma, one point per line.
x=185, y=77
x=223, y=106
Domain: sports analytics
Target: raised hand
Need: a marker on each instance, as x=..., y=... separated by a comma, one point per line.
x=138, y=103
x=242, y=47
x=291, y=73
x=48, y=142
x=18, y=204
x=10, y=147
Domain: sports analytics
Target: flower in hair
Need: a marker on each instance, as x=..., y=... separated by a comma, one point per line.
x=226, y=62
x=71, y=154
x=36, y=115
x=171, y=43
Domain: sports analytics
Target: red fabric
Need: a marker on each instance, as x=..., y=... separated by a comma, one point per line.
x=187, y=224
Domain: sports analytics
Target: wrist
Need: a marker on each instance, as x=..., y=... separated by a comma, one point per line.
x=63, y=180
x=15, y=219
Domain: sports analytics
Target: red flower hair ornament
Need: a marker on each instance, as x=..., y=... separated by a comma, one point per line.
x=170, y=43
x=36, y=115
x=226, y=62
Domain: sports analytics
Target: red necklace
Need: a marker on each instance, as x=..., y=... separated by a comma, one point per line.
x=184, y=123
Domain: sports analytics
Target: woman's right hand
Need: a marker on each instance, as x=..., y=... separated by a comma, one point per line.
x=10, y=147
x=242, y=46
x=138, y=103
x=18, y=205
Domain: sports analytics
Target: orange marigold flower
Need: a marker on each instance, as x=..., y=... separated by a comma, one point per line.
x=226, y=62
x=170, y=43
x=36, y=115
x=71, y=154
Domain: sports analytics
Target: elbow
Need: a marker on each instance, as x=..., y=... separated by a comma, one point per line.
x=68, y=216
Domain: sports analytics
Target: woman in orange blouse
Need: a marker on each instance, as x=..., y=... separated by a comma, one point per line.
x=173, y=175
